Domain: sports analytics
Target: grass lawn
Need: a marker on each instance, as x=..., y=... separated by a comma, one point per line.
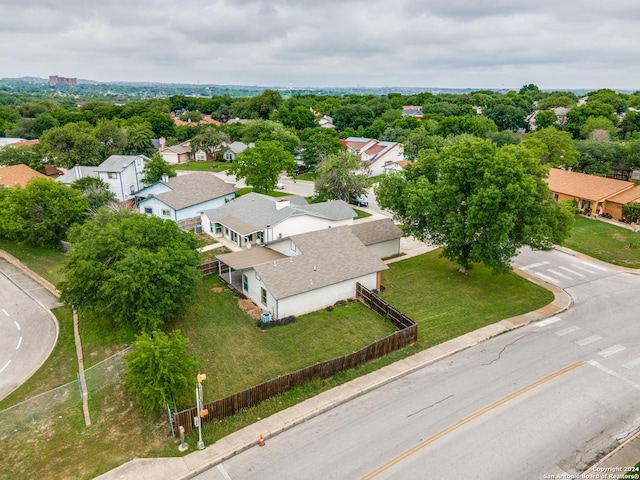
x=446, y=304
x=235, y=354
x=45, y=261
x=601, y=240
x=203, y=166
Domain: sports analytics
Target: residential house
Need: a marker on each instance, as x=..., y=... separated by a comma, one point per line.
x=380, y=157
x=5, y=141
x=381, y=237
x=412, y=111
x=176, y=154
x=326, y=122
x=231, y=150
x=206, y=120
x=594, y=195
x=184, y=197
x=122, y=173
x=260, y=219
x=305, y=272
x=18, y=175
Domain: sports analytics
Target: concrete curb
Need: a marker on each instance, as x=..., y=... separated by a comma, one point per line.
x=195, y=463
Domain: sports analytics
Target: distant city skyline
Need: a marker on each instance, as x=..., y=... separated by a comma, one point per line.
x=350, y=43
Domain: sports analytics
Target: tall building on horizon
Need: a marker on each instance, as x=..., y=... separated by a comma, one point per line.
x=56, y=80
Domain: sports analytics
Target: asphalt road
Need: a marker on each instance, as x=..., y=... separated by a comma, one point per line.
x=28, y=332
x=545, y=399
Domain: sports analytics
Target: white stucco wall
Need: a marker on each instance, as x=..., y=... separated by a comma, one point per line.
x=386, y=249
x=305, y=224
x=125, y=182
x=308, y=301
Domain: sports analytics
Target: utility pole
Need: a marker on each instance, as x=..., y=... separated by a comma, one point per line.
x=202, y=412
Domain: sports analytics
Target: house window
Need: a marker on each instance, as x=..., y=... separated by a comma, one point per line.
x=218, y=228
x=260, y=236
x=201, y=156
x=228, y=156
x=148, y=210
x=234, y=236
x=245, y=283
x=166, y=213
x=263, y=295
x=112, y=175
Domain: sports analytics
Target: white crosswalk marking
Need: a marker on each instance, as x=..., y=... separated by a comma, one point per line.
x=611, y=351
x=582, y=268
x=597, y=267
x=534, y=265
x=632, y=364
x=547, y=278
x=548, y=321
x=561, y=275
x=613, y=374
x=572, y=272
x=587, y=340
x=566, y=331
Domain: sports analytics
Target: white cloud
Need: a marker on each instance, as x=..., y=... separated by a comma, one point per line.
x=444, y=43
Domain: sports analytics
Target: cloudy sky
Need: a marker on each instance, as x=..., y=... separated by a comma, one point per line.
x=558, y=44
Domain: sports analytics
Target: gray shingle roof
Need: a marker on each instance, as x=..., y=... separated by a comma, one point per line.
x=192, y=189
x=376, y=231
x=253, y=212
x=117, y=163
x=327, y=257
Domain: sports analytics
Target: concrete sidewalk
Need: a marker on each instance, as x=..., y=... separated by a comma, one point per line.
x=192, y=464
x=197, y=462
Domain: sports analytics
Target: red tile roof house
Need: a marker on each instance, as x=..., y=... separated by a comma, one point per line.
x=381, y=157
x=594, y=195
x=18, y=175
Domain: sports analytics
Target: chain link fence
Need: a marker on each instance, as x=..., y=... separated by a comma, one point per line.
x=103, y=374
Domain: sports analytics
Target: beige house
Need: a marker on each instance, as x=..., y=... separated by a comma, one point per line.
x=594, y=195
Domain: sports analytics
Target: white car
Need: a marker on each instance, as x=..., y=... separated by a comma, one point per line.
x=280, y=186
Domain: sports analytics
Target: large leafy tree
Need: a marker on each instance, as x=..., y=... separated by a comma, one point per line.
x=340, y=177
x=27, y=155
x=72, y=144
x=318, y=144
x=96, y=192
x=41, y=213
x=156, y=168
x=260, y=166
x=553, y=147
x=135, y=269
x=211, y=141
x=160, y=371
x=479, y=202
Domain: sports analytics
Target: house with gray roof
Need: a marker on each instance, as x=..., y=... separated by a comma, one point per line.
x=122, y=173
x=260, y=219
x=305, y=272
x=185, y=196
x=382, y=237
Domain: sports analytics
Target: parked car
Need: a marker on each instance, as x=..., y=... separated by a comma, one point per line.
x=280, y=186
x=301, y=169
x=358, y=201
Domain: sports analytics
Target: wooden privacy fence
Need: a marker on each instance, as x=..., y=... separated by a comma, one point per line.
x=228, y=406
x=209, y=268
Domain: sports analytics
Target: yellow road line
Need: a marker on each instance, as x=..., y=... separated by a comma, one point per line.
x=468, y=419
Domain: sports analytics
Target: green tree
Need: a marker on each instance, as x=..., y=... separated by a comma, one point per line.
x=139, y=140
x=479, y=202
x=552, y=146
x=318, y=144
x=260, y=166
x=138, y=270
x=546, y=118
x=598, y=128
x=96, y=192
x=28, y=155
x=354, y=116
x=160, y=371
x=112, y=138
x=71, y=144
x=507, y=117
x=41, y=213
x=340, y=177
x=156, y=168
x=210, y=140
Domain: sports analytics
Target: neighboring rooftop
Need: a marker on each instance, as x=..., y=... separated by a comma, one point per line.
x=118, y=163
x=192, y=189
x=376, y=231
x=18, y=175
x=581, y=185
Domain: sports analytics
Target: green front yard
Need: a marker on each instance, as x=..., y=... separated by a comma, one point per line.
x=606, y=242
x=235, y=354
x=203, y=166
